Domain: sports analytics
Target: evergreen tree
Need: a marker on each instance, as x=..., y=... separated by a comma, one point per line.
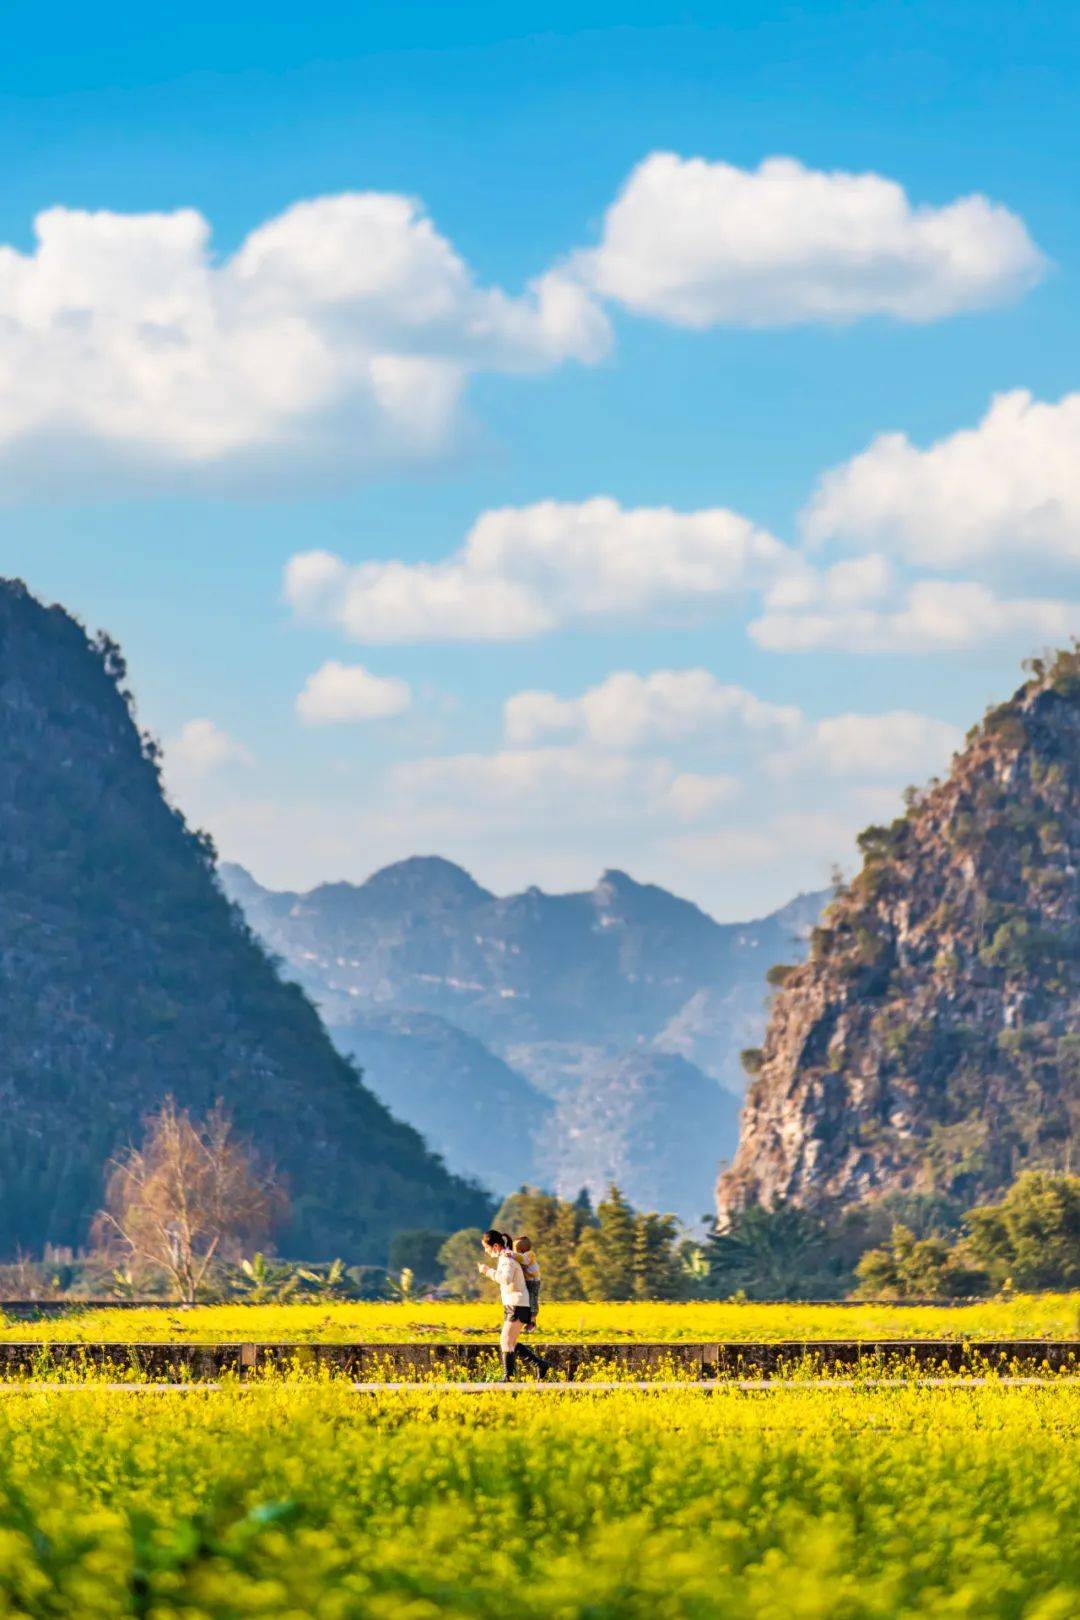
x=559, y=1264
x=657, y=1272
x=1032, y=1237
x=907, y=1267
x=417, y=1249
x=616, y=1254
x=605, y=1252
x=555, y=1228
x=459, y=1258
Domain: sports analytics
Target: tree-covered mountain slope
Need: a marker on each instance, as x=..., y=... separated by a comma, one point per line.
x=931, y=1043
x=126, y=974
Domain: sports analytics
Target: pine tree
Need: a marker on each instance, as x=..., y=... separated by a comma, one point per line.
x=605, y=1252
x=554, y=1227
x=558, y=1262
x=656, y=1266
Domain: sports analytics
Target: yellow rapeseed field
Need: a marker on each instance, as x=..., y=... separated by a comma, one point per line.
x=1021, y=1316
x=314, y=1503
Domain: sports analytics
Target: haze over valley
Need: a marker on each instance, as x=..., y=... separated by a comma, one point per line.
x=572, y=1040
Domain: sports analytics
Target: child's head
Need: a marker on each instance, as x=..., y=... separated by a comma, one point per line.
x=522, y=1245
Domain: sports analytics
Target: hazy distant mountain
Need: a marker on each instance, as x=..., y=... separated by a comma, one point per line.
x=623, y=964
x=482, y=1115
x=125, y=975
x=561, y=990
x=649, y=1121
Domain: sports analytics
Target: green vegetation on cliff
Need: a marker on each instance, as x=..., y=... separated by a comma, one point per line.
x=929, y=1047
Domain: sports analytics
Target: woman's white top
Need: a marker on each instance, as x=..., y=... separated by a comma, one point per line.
x=510, y=1278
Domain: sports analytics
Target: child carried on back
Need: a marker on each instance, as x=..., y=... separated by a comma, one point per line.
x=530, y=1265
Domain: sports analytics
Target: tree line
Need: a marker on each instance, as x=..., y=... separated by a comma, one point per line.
x=190, y=1212
x=614, y=1252
x=1030, y=1239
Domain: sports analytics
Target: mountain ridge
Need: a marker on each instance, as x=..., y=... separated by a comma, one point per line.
x=929, y=1044
x=617, y=907
x=619, y=1009
x=128, y=974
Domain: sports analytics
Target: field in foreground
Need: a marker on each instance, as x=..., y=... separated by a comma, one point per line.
x=294, y=1501
x=1022, y=1316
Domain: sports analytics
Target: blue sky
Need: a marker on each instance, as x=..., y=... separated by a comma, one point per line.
x=177, y=430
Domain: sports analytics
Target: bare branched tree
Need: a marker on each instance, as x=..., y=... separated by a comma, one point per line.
x=191, y=1193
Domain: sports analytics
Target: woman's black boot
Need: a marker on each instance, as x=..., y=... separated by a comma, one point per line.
x=509, y=1362
x=542, y=1367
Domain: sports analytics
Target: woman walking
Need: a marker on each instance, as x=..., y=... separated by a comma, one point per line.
x=508, y=1274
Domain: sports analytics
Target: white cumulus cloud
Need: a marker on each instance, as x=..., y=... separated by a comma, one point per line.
x=888, y=617
x=343, y=329
x=1009, y=487
x=697, y=795
x=530, y=783
x=199, y=748
x=627, y=711
x=698, y=243
x=675, y=710
x=900, y=745
x=740, y=811
x=338, y=693
x=526, y=570
x=518, y=790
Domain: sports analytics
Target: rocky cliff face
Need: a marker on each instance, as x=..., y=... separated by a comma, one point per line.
x=126, y=974
x=931, y=1043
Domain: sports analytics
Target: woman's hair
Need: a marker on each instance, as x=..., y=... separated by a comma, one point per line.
x=523, y=1245
x=498, y=1240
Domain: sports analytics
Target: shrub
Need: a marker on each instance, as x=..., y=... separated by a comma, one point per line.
x=907, y=1267
x=1032, y=1237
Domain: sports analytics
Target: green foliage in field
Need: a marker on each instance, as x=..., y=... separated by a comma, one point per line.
x=292, y=1501
x=1030, y=1239
x=616, y=1253
x=417, y=1250
x=458, y=1260
x=907, y=1267
x=776, y=1253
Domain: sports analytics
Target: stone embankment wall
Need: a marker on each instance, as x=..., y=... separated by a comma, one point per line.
x=469, y=1360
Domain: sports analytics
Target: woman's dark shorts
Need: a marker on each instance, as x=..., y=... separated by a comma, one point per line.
x=517, y=1313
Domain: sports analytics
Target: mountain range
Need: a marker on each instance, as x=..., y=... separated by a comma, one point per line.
x=443, y=1044
x=568, y=1039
